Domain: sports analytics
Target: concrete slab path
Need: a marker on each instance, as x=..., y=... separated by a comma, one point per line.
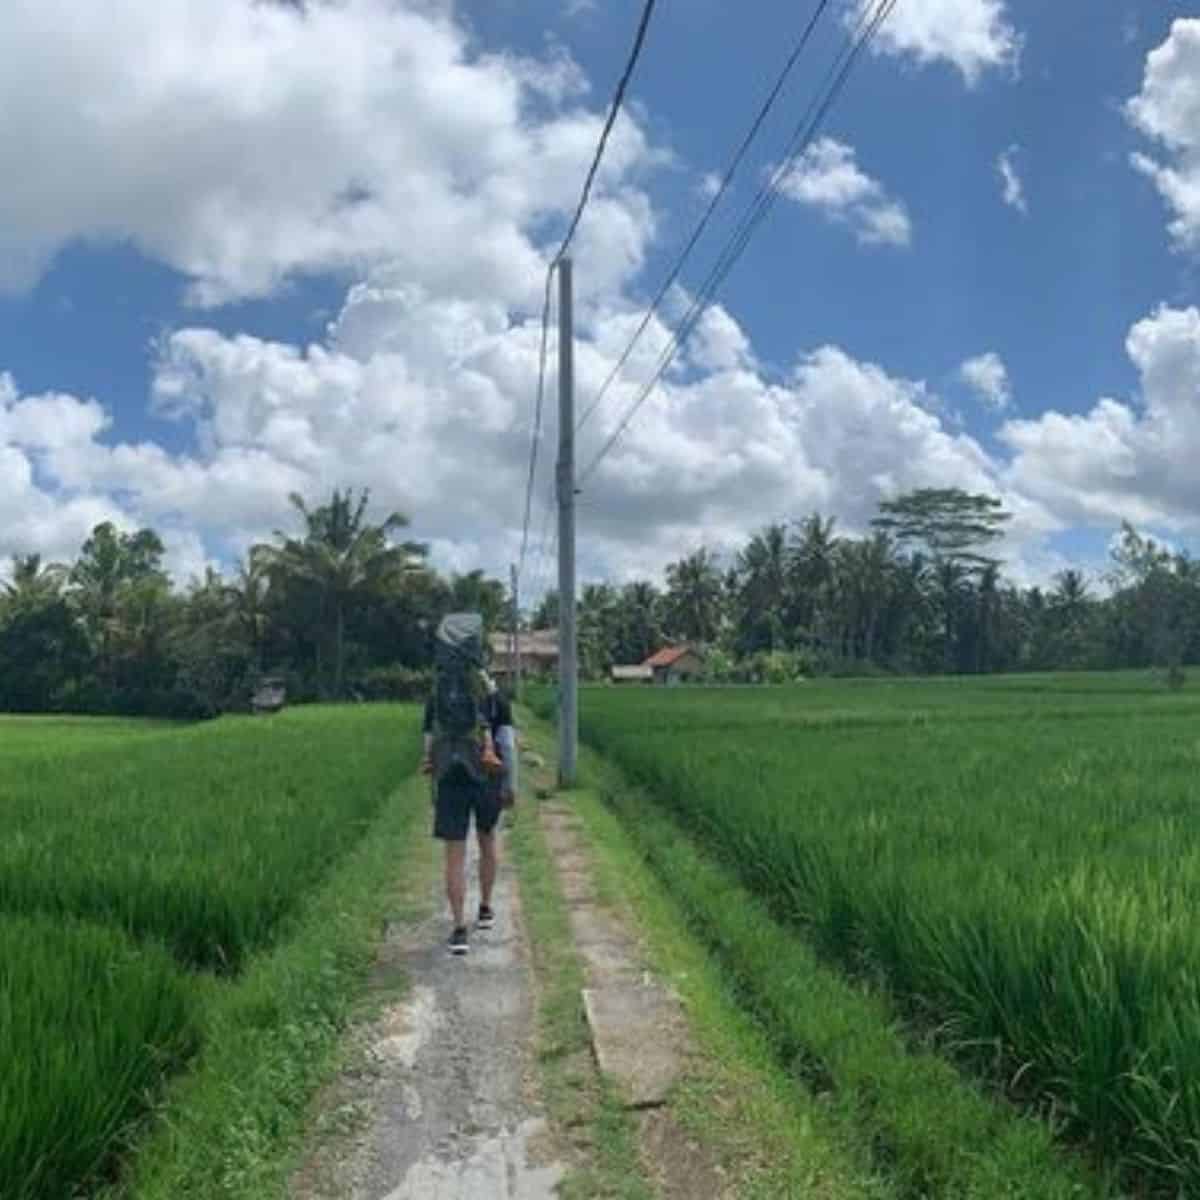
x=448, y=1106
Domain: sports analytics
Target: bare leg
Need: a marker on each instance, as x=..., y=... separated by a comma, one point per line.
x=487, y=867
x=456, y=880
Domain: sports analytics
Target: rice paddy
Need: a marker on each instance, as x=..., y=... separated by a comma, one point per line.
x=136, y=860
x=1016, y=861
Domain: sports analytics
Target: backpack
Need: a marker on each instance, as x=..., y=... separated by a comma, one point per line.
x=458, y=696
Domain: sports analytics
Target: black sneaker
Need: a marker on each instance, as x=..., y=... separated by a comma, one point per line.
x=458, y=944
x=487, y=918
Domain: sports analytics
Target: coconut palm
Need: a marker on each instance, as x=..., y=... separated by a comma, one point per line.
x=696, y=597
x=341, y=559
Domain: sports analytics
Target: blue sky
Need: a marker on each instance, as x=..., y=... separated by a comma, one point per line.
x=170, y=300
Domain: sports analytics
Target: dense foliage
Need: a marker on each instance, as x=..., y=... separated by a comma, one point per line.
x=343, y=608
x=133, y=856
x=1015, y=858
x=202, y=837
x=90, y=1023
x=340, y=610
x=800, y=600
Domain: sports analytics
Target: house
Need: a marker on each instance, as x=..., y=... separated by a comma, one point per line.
x=539, y=654
x=675, y=664
x=642, y=673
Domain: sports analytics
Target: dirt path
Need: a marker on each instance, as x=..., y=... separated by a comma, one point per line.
x=442, y=1098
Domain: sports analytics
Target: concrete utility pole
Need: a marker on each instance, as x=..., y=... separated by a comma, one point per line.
x=568, y=663
x=514, y=638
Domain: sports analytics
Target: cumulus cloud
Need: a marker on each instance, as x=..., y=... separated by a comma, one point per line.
x=243, y=143
x=973, y=36
x=1124, y=460
x=1012, y=186
x=987, y=376
x=827, y=177
x=441, y=177
x=39, y=518
x=1167, y=109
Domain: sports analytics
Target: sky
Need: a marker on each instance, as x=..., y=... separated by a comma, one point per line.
x=249, y=249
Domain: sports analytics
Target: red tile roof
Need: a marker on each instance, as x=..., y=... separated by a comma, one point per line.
x=667, y=657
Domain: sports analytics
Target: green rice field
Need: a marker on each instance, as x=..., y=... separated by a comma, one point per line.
x=137, y=862
x=1015, y=861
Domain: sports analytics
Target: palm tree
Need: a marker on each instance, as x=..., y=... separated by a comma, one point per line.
x=111, y=567
x=33, y=582
x=695, y=597
x=865, y=574
x=597, y=611
x=814, y=547
x=638, y=621
x=247, y=598
x=764, y=588
x=343, y=559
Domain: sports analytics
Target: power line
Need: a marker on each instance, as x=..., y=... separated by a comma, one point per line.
x=618, y=98
x=714, y=202
x=735, y=247
x=614, y=109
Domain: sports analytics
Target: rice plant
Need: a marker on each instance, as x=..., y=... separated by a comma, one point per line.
x=90, y=1022
x=1018, y=861
x=205, y=836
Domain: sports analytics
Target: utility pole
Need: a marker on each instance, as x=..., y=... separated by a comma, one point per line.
x=514, y=638
x=568, y=664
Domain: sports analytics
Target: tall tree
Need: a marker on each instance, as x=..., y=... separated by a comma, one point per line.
x=343, y=559
x=813, y=554
x=33, y=582
x=949, y=524
x=763, y=574
x=112, y=578
x=695, y=597
x=954, y=528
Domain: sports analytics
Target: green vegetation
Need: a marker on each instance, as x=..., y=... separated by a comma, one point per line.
x=338, y=608
x=204, y=837
x=136, y=857
x=773, y=1140
x=88, y=1021
x=577, y=1098
x=1016, y=863
x=270, y=1038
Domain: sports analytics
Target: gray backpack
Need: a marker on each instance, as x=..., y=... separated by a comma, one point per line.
x=458, y=696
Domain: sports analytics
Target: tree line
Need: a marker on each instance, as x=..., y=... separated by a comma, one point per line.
x=920, y=594
x=347, y=608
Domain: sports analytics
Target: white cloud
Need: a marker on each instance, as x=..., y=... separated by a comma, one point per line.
x=1012, y=186
x=1119, y=461
x=987, y=376
x=242, y=143
x=422, y=387
x=1167, y=109
x=972, y=35
x=827, y=177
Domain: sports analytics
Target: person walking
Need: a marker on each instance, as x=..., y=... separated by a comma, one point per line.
x=460, y=738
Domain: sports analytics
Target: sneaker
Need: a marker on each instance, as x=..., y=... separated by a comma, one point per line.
x=487, y=918
x=458, y=944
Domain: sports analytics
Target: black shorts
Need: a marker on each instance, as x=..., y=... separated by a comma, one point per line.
x=458, y=797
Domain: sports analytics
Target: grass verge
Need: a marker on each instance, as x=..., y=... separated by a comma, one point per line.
x=578, y=1101
x=773, y=1140
x=231, y=1128
x=908, y=1116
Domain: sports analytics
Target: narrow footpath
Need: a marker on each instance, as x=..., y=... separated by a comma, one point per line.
x=443, y=1095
